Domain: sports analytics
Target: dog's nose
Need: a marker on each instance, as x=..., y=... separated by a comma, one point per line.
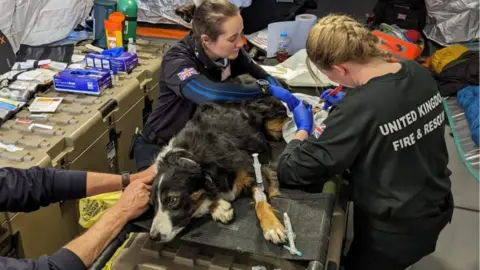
x=156, y=236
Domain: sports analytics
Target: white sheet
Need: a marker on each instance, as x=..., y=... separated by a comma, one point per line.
x=39, y=22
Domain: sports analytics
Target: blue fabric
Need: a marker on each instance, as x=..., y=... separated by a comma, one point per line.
x=273, y=81
x=201, y=89
x=468, y=98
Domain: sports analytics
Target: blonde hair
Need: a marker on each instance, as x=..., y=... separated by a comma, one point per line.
x=336, y=39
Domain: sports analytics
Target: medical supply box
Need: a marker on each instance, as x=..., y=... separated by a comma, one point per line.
x=125, y=62
x=91, y=82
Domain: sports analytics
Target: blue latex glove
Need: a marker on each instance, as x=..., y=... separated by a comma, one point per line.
x=303, y=116
x=285, y=96
x=113, y=52
x=331, y=100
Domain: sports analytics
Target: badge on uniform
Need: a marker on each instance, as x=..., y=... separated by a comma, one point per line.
x=319, y=130
x=187, y=73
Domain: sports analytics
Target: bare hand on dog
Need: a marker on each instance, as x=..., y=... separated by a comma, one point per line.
x=145, y=176
x=134, y=200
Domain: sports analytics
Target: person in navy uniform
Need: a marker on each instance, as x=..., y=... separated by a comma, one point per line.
x=193, y=71
x=26, y=190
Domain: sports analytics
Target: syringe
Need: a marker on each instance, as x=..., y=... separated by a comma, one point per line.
x=291, y=236
x=258, y=172
x=259, y=194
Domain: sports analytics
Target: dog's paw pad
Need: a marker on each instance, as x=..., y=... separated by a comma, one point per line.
x=275, y=234
x=223, y=212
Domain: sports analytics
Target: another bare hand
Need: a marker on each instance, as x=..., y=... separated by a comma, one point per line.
x=134, y=200
x=145, y=176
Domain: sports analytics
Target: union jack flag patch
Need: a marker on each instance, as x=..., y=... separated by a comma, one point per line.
x=319, y=130
x=186, y=73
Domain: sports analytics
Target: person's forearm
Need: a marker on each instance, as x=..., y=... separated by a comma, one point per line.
x=89, y=246
x=201, y=90
x=98, y=183
x=273, y=81
x=296, y=167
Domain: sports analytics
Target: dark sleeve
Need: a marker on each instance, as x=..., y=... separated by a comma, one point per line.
x=182, y=76
x=25, y=190
x=201, y=89
x=63, y=259
x=344, y=133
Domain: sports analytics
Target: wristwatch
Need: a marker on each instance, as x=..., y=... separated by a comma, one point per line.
x=264, y=85
x=125, y=179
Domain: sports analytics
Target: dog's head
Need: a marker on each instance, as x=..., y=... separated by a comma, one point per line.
x=179, y=191
x=186, y=12
x=272, y=115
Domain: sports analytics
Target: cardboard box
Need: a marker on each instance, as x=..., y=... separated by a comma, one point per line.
x=91, y=82
x=125, y=62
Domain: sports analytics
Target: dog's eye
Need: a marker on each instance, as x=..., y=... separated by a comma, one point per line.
x=172, y=201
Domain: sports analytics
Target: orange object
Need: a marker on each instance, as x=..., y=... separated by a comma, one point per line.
x=398, y=48
x=113, y=32
x=161, y=32
x=117, y=17
x=157, y=32
x=336, y=90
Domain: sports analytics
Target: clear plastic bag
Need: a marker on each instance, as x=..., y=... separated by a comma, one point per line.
x=290, y=128
x=16, y=94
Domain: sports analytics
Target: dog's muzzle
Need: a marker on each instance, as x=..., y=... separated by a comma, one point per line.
x=158, y=237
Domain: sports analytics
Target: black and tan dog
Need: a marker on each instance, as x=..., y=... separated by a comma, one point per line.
x=209, y=164
x=186, y=12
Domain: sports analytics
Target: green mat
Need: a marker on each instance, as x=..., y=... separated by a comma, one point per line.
x=467, y=149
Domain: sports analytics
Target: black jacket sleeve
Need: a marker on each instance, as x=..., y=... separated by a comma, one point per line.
x=25, y=190
x=345, y=132
x=63, y=259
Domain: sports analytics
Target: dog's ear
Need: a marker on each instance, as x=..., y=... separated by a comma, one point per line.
x=190, y=165
x=183, y=158
x=186, y=162
x=153, y=193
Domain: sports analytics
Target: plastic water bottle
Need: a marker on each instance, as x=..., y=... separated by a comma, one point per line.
x=283, y=47
x=132, y=48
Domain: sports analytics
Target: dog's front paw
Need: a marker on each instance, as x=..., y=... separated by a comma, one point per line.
x=275, y=232
x=222, y=211
x=272, y=228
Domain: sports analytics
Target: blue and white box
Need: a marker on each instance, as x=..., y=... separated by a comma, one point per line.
x=125, y=62
x=91, y=82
